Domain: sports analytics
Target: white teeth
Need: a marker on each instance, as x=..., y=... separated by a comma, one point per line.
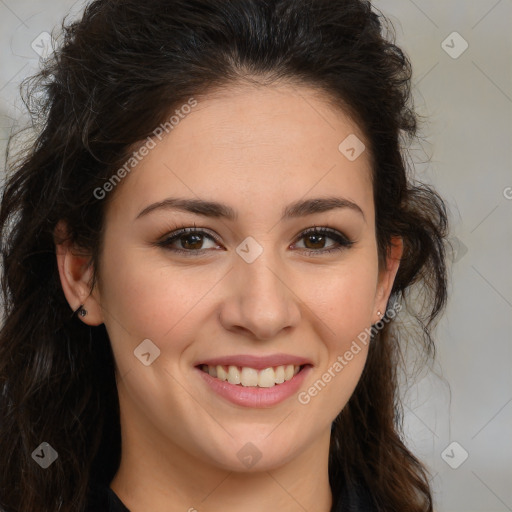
x=267, y=378
x=233, y=375
x=250, y=377
x=221, y=373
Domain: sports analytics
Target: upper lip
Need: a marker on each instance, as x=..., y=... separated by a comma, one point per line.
x=256, y=362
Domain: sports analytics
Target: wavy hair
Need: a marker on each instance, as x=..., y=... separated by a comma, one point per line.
x=115, y=76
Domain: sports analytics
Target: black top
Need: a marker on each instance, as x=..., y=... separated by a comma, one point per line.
x=104, y=499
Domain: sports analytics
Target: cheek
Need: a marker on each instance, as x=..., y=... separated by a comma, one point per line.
x=144, y=300
x=344, y=306
x=343, y=298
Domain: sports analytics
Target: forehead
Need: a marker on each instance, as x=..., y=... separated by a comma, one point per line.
x=254, y=143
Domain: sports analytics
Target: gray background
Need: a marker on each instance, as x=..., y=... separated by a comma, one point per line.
x=466, y=153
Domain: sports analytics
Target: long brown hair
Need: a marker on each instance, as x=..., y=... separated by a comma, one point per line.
x=116, y=75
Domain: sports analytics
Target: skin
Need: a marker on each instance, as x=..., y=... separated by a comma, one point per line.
x=256, y=149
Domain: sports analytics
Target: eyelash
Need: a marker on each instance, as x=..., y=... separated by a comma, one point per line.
x=342, y=241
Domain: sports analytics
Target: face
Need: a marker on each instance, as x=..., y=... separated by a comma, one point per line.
x=264, y=283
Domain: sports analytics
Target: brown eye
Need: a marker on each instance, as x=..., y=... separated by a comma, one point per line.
x=315, y=241
x=191, y=241
x=187, y=241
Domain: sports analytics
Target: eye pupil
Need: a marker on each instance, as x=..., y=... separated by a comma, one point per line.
x=320, y=239
x=192, y=246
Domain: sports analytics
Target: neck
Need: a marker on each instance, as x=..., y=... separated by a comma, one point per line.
x=160, y=476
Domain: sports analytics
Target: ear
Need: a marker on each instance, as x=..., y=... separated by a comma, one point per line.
x=387, y=277
x=76, y=271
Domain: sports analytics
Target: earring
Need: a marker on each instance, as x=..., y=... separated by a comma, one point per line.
x=81, y=311
x=379, y=313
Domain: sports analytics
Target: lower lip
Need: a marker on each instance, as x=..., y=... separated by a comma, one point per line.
x=255, y=396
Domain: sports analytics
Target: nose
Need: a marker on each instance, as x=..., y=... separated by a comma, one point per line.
x=260, y=301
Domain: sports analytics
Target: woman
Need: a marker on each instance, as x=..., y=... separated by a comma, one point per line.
x=205, y=254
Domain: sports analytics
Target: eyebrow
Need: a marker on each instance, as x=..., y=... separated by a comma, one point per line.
x=206, y=208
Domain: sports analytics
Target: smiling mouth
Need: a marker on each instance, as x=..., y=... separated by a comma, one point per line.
x=250, y=377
